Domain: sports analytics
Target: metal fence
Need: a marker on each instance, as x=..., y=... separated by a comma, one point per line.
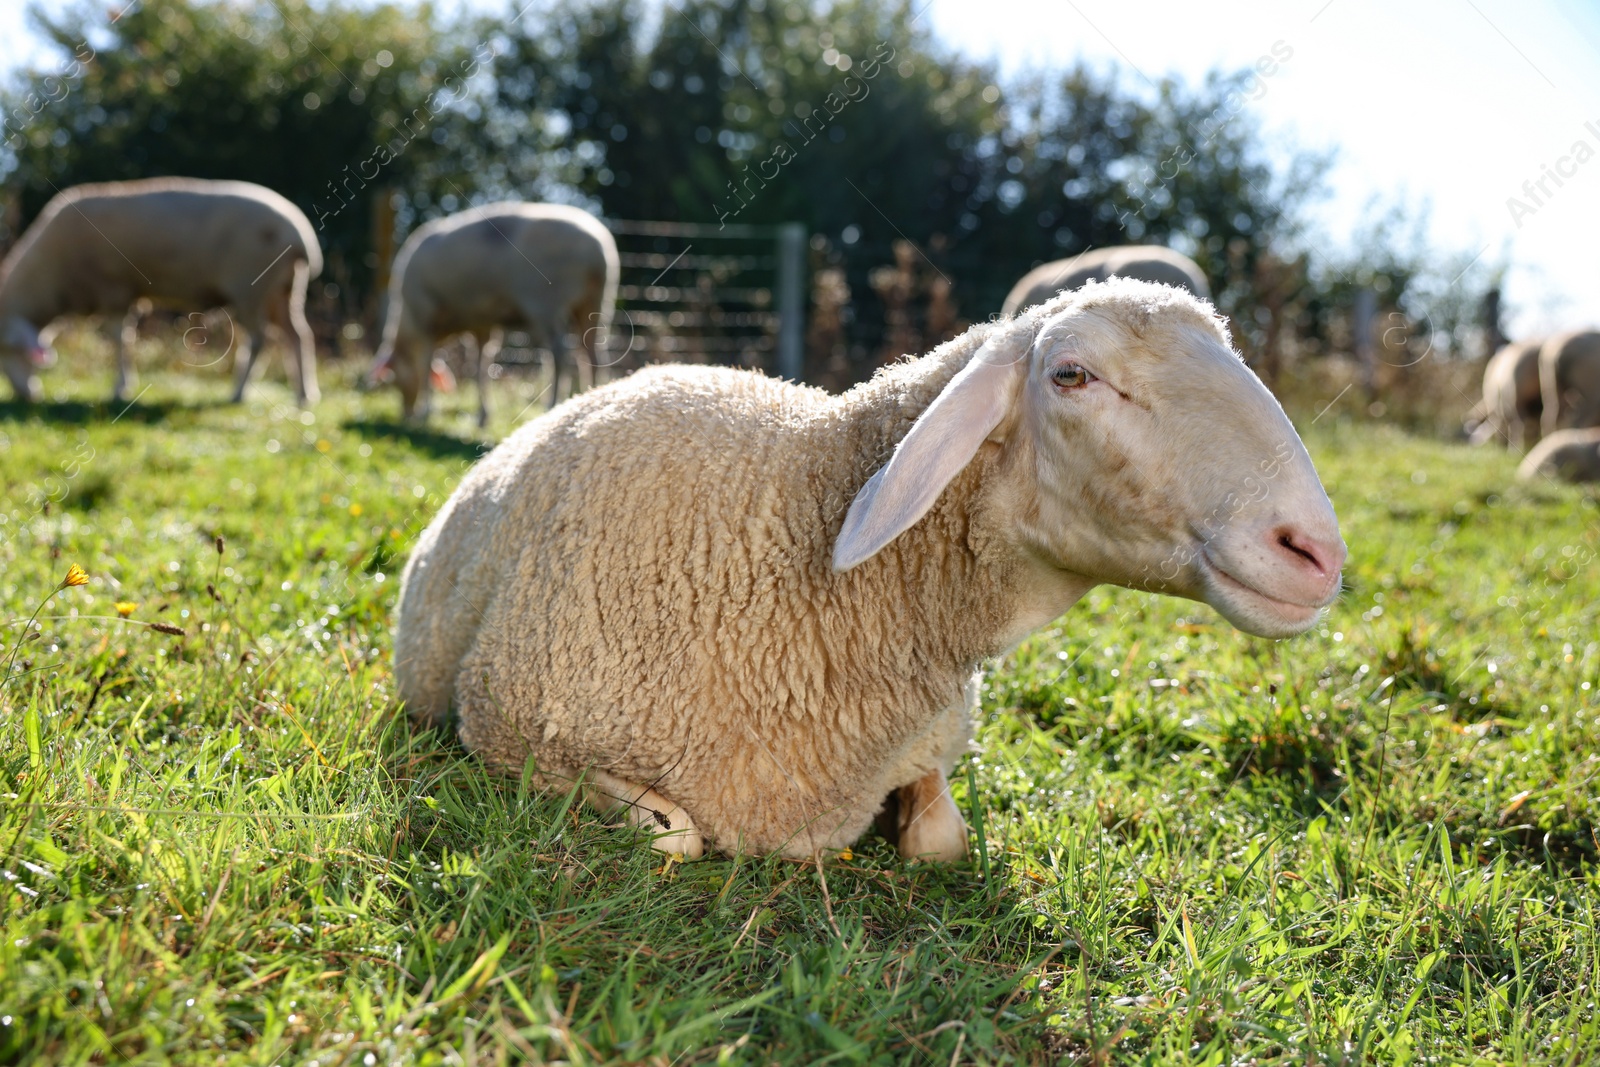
x=699, y=293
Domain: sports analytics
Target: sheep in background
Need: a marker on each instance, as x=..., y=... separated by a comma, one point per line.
x=746, y=612
x=545, y=268
x=113, y=248
x=1510, y=409
x=1570, y=455
x=1569, y=381
x=1150, y=263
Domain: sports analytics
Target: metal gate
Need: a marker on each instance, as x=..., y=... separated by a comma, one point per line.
x=699, y=293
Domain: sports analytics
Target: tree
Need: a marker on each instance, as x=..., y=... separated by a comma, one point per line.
x=871, y=133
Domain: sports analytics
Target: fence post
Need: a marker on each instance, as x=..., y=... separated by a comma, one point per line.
x=791, y=300
x=1366, y=313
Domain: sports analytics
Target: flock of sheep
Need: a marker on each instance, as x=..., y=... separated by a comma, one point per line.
x=112, y=249
x=747, y=614
x=1544, y=395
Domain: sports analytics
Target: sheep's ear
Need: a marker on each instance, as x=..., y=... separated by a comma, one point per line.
x=940, y=445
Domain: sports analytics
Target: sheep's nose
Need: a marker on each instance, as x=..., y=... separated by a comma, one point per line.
x=1317, y=559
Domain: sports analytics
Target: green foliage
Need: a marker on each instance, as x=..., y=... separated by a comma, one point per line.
x=704, y=117
x=1374, y=843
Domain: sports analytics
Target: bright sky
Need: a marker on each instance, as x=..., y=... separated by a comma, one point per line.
x=1456, y=103
x=1452, y=102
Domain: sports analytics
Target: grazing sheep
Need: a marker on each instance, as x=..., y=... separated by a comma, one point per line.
x=1150, y=263
x=747, y=611
x=1569, y=381
x=1570, y=455
x=545, y=268
x=1511, y=405
x=114, y=248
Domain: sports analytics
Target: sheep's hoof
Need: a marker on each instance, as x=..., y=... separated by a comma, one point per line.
x=674, y=833
x=669, y=826
x=930, y=827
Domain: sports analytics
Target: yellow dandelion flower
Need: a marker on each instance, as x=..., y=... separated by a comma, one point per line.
x=324, y=446
x=845, y=855
x=126, y=608
x=355, y=509
x=76, y=575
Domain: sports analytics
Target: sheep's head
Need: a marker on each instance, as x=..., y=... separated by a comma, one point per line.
x=1137, y=449
x=402, y=365
x=22, y=355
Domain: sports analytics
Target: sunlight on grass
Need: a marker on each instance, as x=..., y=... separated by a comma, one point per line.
x=1372, y=844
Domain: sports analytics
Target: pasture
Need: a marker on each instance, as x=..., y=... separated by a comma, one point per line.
x=1374, y=843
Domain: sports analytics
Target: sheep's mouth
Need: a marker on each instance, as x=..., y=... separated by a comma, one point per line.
x=1291, y=613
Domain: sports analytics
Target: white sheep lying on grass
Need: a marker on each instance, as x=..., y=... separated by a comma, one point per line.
x=545, y=268
x=114, y=248
x=1570, y=455
x=747, y=612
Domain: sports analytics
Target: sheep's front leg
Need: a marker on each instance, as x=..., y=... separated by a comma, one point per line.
x=583, y=370
x=672, y=829
x=244, y=357
x=298, y=338
x=929, y=825
x=127, y=335
x=488, y=352
x=557, y=343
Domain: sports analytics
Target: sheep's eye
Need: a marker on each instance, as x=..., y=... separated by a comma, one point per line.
x=1071, y=376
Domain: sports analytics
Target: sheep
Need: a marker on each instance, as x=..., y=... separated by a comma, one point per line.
x=1569, y=381
x=542, y=267
x=745, y=612
x=1510, y=409
x=1151, y=263
x=116, y=247
x=1570, y=455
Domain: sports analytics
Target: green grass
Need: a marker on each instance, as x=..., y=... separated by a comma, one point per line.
x=1374, y=844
